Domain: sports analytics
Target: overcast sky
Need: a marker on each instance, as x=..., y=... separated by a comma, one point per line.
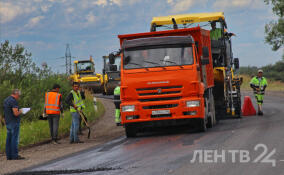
x=91, y=27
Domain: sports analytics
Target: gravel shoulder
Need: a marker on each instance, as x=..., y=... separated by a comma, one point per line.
x=102, y=130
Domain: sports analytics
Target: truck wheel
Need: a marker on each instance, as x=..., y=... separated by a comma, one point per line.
x=130, y=131
x=212, y=108
x=202, y=125
x=210, y=121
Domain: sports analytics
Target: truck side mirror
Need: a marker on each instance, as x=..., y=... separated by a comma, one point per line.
x=126, y=60
x=205, y=52
x=111, y=58
x=205, y=58
x=236, y=63
x=204, y=61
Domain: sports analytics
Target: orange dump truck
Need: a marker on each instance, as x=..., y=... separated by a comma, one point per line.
x=166, y=79
x=179, y=76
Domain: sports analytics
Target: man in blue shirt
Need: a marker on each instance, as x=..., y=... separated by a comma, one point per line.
x=12, y=119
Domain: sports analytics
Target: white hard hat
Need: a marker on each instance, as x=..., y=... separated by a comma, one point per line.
x=260, y=71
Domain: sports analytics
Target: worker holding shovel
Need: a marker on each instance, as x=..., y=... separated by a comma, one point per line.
x=75, y=101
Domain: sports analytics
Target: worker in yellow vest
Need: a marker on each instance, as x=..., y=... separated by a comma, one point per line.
x=258, y=84
x=215, y=33
x=117, y=105
x=75, y=101
x=53, y=108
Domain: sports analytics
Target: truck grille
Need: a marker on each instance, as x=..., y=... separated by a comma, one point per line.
x=159, y=99
x=155, y=88
x=162, y=93
x=160, y=106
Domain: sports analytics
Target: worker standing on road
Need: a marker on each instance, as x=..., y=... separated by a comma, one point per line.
x=12, y=120
x=82, y=92
x=258, y=84
x=75, y=101
x=117, y=104
x=52, y=109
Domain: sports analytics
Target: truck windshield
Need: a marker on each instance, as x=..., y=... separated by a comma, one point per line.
x=85, y=66
x=157, y=57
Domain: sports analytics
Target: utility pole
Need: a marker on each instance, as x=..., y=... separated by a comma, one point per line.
x=68, y=60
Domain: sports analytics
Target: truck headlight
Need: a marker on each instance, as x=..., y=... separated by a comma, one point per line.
x=194, y=103
x=128, y=108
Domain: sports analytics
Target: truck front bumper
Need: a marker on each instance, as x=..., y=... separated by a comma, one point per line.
x=162, y=110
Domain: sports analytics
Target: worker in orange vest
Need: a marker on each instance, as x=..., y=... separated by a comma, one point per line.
x=52, y=109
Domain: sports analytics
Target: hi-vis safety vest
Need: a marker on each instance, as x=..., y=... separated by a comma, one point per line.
x=78, y=101
x=255, y=83
x=52, y=105
x=116, y=94
x=216, y=34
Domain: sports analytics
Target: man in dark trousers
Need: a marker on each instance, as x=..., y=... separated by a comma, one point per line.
x=12, y=119
x=82, y=92
x=75, y=101
x=52, y=109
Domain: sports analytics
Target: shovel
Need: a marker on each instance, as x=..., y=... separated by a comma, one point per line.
x=82, y=115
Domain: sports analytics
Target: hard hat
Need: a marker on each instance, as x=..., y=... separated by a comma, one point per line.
x=260, y=71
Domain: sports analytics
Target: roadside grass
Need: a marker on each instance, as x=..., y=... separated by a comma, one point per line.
x=272, y=85
x=38, y=131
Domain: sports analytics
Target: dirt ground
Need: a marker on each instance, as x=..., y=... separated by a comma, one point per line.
x=102, y=131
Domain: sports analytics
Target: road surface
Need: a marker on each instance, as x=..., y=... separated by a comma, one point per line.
x=172, y=152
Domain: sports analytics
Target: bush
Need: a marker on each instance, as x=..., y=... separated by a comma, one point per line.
x=272, y=71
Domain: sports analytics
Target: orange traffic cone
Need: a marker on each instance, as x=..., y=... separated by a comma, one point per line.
x=248, y=108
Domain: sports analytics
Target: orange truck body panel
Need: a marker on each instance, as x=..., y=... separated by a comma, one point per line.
x=139, y=87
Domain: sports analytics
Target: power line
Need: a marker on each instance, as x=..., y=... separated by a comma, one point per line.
x=68, y=60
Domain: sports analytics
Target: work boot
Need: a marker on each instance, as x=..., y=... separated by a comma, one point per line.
x=56, y=141
x=260, y=113
x=18, y=158
x=79, y=141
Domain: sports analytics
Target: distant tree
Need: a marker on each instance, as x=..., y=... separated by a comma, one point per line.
x=16, y=62
x=275, y=29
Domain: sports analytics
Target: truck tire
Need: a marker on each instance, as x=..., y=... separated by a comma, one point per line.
x=130, y=131
x=211, y=114
x=202, y=125
x=210, y=121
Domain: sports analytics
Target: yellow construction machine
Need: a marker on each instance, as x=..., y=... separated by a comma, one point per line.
x=227, y=95
x=85, y=75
